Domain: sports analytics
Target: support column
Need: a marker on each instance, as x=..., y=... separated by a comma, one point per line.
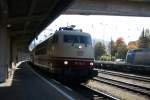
x=14, y=54
x=4, y=54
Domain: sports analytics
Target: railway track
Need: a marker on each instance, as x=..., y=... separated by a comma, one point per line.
x=82, y=89
x=127, y=86
x=98, y=94
x=92, y=93
x=129, y=76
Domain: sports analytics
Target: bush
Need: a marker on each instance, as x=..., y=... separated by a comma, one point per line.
x=107, y=58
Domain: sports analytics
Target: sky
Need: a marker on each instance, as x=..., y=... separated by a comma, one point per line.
x=100, y=26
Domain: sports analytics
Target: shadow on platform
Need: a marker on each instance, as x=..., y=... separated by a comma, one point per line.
x=27, y=86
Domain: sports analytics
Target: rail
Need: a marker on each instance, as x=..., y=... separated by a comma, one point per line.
x=130, y=76
x=130, y=87
x=97, y=93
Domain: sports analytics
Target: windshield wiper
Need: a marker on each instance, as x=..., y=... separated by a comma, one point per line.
x=85, y=44
x=73, y=42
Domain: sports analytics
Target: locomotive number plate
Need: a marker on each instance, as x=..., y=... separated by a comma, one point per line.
x=79, y=53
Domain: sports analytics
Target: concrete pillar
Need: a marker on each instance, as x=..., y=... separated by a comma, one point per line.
x=14, y=53
x=4, y=54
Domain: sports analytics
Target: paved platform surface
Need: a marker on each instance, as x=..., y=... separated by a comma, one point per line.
x=26, y=85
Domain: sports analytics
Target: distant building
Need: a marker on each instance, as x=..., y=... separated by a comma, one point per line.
x=132, y=45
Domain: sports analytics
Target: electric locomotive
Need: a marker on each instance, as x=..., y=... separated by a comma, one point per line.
x=68, y=53
x=139, y=56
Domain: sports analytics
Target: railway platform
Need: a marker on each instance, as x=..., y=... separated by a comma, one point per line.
x=26, y=84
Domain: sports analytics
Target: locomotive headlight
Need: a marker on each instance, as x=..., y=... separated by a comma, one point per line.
x=66, y=62
x=91, y=63
x=80, y=46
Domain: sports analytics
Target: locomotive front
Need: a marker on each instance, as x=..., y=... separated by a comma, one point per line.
x=75, y=53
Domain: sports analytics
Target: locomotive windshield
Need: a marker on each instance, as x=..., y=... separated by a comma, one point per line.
x=77, y=39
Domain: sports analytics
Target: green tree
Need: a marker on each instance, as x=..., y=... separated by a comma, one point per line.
x=144, y=39
x=112, y=48
x=99, y=50
x=121, y=48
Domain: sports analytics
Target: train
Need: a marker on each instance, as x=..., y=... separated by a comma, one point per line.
x=67, y=53
x=139, y=56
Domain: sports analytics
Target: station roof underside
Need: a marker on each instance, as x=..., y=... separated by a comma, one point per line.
x=25, y=19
